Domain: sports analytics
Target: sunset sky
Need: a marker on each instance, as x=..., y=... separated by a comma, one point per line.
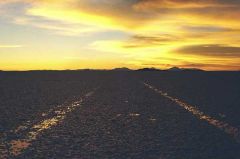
x=104, y=34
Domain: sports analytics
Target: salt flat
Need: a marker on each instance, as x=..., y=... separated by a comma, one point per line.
x=108, y=114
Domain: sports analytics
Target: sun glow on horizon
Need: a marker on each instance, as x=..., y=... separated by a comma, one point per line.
x=78, y=34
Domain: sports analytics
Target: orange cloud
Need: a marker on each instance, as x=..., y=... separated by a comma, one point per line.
x=170, y=30
x=177, y=4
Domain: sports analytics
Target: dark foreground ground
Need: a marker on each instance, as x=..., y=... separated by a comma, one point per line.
x=122, y=118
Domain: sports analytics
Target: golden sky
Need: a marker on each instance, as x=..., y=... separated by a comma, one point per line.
x=103, y=34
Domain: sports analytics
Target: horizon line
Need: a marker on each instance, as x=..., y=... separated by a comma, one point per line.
x=126, y=69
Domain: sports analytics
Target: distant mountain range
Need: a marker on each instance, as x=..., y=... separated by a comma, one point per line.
x=122, y=69
x=149, y=69
x=174, y=69
x=183, y=69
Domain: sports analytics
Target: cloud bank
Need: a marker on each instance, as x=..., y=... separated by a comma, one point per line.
x=196, y=31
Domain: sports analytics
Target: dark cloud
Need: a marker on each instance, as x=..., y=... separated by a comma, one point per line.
x=186, y=2
x=211, y=50
x=196, y=66
x=148, y=4
x=207, y=29
x=211, y=66
x=144, y=41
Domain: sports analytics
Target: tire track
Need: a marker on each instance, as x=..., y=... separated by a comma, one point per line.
x=224, y=126
x=27, y=133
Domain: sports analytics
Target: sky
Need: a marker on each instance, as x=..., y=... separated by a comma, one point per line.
x=105, y=34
